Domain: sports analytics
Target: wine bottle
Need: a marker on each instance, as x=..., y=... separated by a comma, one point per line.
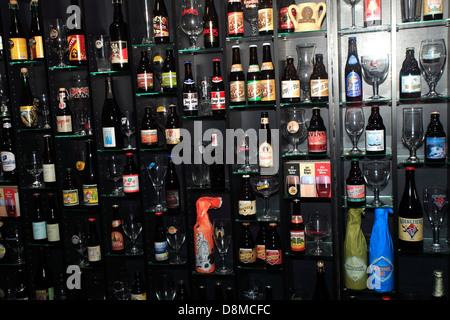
x=149, y=129
x=161, y=31
x=321, y=290
x=217, y=91
x=17, y=39
x=90, y=176
x=138, y=291
x=247, y=248
x=28, y=112
x=70, y=191
x=93, y=244
x=111, y=119
x=36, y=40
x=119, y=39
x=160, y=240
x=130, y=176
x=48, y=162
x=236, y=78
x=64, y=115
x=53, y=218
x=8, y=151
x=39, y=222
x=267, y=84
x=144, y=74
x=172, y=186
x=190, y=95
x=210, y=26
x=43, y=286
x=117, y=236
x=76, y=40
x=169, y=72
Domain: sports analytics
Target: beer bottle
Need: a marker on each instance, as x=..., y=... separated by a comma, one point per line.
x=253, y=77
x=149, y=129
x=375, y=133
x=144, y=74
x=321, y=290
x=433, y=10
x=173, y=135
x=317, y=134
x=48, y=162
x=36, y=40
x=90, y=184
x=297, y=229
x=267, y=84
x=319, y=81
x=64, y=115
x=79, y=96
x=285, y=24
x=169, y=73
x=265, y=147
x=372, y=13
x=44, y=288
x=111, y=119
x=119, y=39
x=161, y=31
x=160, y=240
x=290, y=83
x=53, y=233
x=138, y=291
x=236, y=78
x=218, y=291
x=76, y=41
x=28, y=112
x=8, y=151
x=172, y=187
x=70, y=190
x=356, y=186
x=247, y=200
x=410, y=217
x=353, y=73
x=410, y=77
x=4, y=250
x=217, y=91
x=93, y=244
x=265, y=17
x=117, y=235
x=130, y=175
x=261, y=240
x=247, y=249
x=39, y=222
x=217, y=168
x=438, y=292
x=17, y=39
x=190, y=95
x=235, y=19
x=210, y=26
x=435, y=140
x=274, y=252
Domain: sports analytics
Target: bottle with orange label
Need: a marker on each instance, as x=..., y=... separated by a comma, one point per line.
x=265, y=17
x=17, y=40
x=247, y=248
x=36, y=40
x=76, y=40
x=235, y=18
x=149, y=129
x=267, y=84
x=274, y=252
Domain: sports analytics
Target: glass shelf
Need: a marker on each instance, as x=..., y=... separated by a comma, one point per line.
x=388, y=200
x=250, y=38
x=304, y=154
x=347, y=154
x=305, y=104
x=34, y=130
x=64, y=68
x=201, y=50
x=156, y=94
x=402, y=160
x=359, y=30
x=309, y=245
x=259, y=213
x=140, y=45
x=254, y=106
x=424, y=100
x=12, y=63
x=73, y=136
x=367, y=103
x=423, y=24
x=302, y=34
x=112, y=72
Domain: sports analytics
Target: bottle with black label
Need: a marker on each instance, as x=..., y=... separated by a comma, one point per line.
x=375, y=133
x=217, y=90
x=435, y=140
x=119, y=39
x=149, y=129
x=190, y=95
x=210, y=26
x=236, y=78
x=247, y=248
x=410, y=77
x=64, y=121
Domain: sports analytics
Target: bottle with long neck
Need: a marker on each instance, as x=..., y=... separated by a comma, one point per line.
x=17, y=39
x=44, y=287
x=253, y=78
x=70, y=190
x=76, y=40
x=236, y=78
x=321, y=290
x=161, y=30
x=39, y=222
x=217, y=169
x=217, y=91
x=28, y=112
x=353, y=73
x=93, y=244
x=297, y=229
x=90, y=184
x=265, y=145
x=8, y=151
x=169, y=72
x=64, y=115
x=160, y=240
x=172, y=187
x=267, y=84
x=53, y=229
x=119, y=39
x=210, y=25
x=36, y=39
x=48, y=162
x=111, y=119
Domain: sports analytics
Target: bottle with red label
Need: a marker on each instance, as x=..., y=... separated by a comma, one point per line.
x=274, y=253
x=119, y=39
x=149, y=129
x=217, y=90
x=190, y=95
x=76, y=40
x=356, y=186
x=130, y=175
x=161, y=30
x=285, y=24
x=297, y=229
x=317, y=134
x=267, y=83
x=372, y=13
x=64, y=115
x=144, y=74
x=235, y=18
x=265, y=17
x=117, y=236
x=210, y=26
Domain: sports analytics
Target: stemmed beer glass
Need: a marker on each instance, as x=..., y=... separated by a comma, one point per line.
x=412, y=135
x=375, y=71
x=294, y=128
x=435, y=201
x=318, y=228
x=192, y=20
x=222, y=240
x=376, y=174
x=354, y=126
x=132, y=227
x=157, y=170
x=265, y=186
x=432, y=57
x=58, y=40
x=353, y=3
x=176, y=235
x=33, y=164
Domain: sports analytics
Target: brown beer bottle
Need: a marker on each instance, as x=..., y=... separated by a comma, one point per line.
x=190, y=95
x=410, y=77
x=235, y=20
x=161, y=30
x=297, y=229
x=217, y=91
x=274, y=253
x=247, y=200
x=285, y=23
x=290, y=83
x=253, y=77
x=356, y=186
x=236, y=79
x=375, y=133
x=210, y=26
x=353, y=73
x=172, y=127
x=372, y=13
x=319, y=81
x=265, y=17
x=267, y=84
x=317, y=134
x=247, y=248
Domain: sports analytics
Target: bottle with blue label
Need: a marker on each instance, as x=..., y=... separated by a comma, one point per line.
x=353, y=73
x=435, y=140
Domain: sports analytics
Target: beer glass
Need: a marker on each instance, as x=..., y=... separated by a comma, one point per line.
x=222, y=240
x=354, y=126
x=132, y=227
x=435, y=202
x=294, y=128
x=58, y=40
x=376, y=174
x=79, y=241
x=305, y=66
x=412, y=134
x=265, y=186
x=191, y=21
x=33, y=164
x=146, y=10
x=157, y=170
x=375, y=71
x=318, y=229
x=432, y=57
x=411, y=10
x=114, y=170
x=165, y=288
x=127, y=128
x=103, y=53
x=353, y=3
x=176, y=235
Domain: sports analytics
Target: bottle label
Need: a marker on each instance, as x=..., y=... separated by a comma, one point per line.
x=247, y=255
x=355, y=268
x=160, y=26
x=410, y=229
x=236, y=23
x=218, y=100
x=374, y=140
x=431, y=7
x=161, y=253
x=236, y=68
x=210, y=33
x=319, y=88
x=53, y=232
x=267, y=88
x=77, y=47
x=130, y=183
x=70, y=198
x=145, y=80
x=353, y=85
x=265, y=19
x=265, y=155
x=261, y=252
x=2, y=251
x=117, y=241
x=169, y=79
x=29, y=117
x=436, y=148
x=373, y=10
x=18, y=48
x=139, y=296
x=247, y=208
x=119, y=53
x=411, y=84
x=90, y=195
x=173, y=199
x=37, y=48
x=290, y=89
x=94, y=254
x=356, y=193
x=109, y=137
x=190, y=101
x=64, y=124
x=298, y=240
x=317, y=141
x=273, y=257
x=237, y=91
x=173, y=136
x=49, y=172
x=8, y=161
x=47, y=294
x=149, y=136
x=285, y=20
x=39, y=230
x=384, y=270
x=253, y=91
x=266, y=66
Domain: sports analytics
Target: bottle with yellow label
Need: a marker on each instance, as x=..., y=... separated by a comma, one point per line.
x=36, y=40
x=17, y=40
x=247, y=248
x=433, y=10
x=28, y=111
x=267, y=83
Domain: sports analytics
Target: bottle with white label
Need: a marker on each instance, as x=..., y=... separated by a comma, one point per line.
x=39, y=223
x=265, y=146
x=93, y=244
x=130, y=176
x=375, y=133
x=53, y=233
x=48, y=162
x=247, y=200
x=160, y=240
x=410, y=77
x=8, y=151
x=290, y=83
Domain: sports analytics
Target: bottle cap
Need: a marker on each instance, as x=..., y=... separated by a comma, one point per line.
x=129, y=154
x=435, y=112
x=410, y=168
x=216, y=60
x=158, y=213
